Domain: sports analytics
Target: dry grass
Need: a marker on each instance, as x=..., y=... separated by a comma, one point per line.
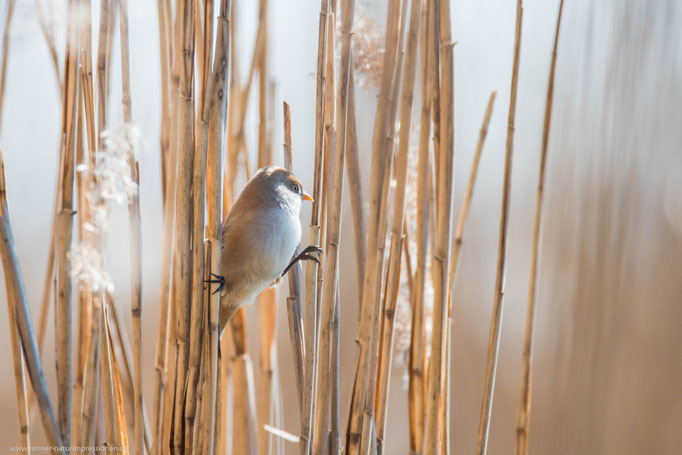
x=207, y=395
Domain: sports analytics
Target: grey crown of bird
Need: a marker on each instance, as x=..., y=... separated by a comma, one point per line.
x=260, y=236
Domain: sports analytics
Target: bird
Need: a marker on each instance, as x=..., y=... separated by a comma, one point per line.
x=260, y=236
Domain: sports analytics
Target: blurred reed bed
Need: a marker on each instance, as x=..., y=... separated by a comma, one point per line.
x=208, y=395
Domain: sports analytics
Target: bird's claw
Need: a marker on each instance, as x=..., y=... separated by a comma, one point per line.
x=219, y=279
x=308, y=256
x=311, y=249
x=305, y=254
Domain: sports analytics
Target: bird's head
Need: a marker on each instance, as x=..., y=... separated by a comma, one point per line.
x=281, y=185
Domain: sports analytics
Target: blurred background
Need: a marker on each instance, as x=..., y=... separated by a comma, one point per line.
x=608, y=358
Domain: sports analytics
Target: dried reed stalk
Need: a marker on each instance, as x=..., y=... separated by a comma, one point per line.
x=200, y=429
x=10, y=281
x=122, y=343
x=444, y=414
x=84, y=300
x=234, y=93
x=327, y=362
x=393, y=278
x=136, y=307
x=244, y=439
x=328, y=300
x=168, y=176
x=329, y=114
x=268, y=367
x=170, y=344
x=135, y=237
x=120, y=414
x=183, y=211
x=17, y=293
x=105, y=32
x=424, y=215
x=92, y=375
x=107, y=368
x=206, y=55
x=496, y=321
x=19, y=376
x=335, y=424
x=171, y=372
x=164, y=306
x=435, y=429
x=244, y=434
x=294, y=299
x=267, y=299
x=372, y=280
x=469, y=192
x=164, y=137
x=355, y=185
x=523, y=414
x=196, y=333
x=65, y=226
x=208, y=96
x=312, y=268
x=216, y=142
x=84, y=181
x=361, y=425
x=4, y=49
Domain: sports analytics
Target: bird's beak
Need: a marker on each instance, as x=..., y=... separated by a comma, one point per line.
x=307, y=197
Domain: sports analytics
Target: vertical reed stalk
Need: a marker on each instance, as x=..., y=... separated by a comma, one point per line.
x=312, y=268
x=168, y=175
x=444, y=414
x=112, y=431
x=416, y=356
x=243, y=436
x=135, y=236
x=267, y=299
x=380, y=157
x=294, y=299
x=92, y=375
x=369, y=428
x=335, y=424
x=355, y=185
x=183, y=210
x=196, y=333
x=393, y=278
x=164, y=137
x=65, y=226
x=435, y=429
x=523, y=415
x=164, y=305
x=177, y=61
x=328, y=299
x=103, y=67
x=217, y=135
x=496, y=321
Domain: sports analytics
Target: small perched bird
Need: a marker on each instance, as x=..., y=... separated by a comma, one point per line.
x=260, y=236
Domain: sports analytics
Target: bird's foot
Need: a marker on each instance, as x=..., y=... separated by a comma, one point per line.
x=219, y=279
x=305, y=254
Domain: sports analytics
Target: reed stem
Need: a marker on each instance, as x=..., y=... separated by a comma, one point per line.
x=523, y=415
x=496, y=321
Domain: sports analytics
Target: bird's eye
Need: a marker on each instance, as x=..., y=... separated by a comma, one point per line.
x=296, y=188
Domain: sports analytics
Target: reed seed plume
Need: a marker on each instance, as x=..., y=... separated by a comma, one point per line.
x=87, y=268
x=368, y=50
